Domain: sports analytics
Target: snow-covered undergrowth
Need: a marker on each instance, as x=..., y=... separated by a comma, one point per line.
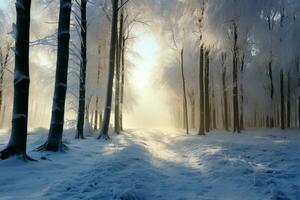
x=159, y=164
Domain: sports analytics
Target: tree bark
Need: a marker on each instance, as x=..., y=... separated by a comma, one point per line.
x=118, y=65
x=236, y=124
x=82, y=78
x=289, y=101
x=282, y=101
x=201, y=92
x=122, y=82
x=242, y=94
x=185, y=109
x=18, y=137
x=207, y=93
x=54, y=142
x=112, y=54
x=225, y=95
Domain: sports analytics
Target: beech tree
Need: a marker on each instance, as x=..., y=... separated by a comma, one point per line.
x=54, y=141
x=109, y=90
x=18, y=138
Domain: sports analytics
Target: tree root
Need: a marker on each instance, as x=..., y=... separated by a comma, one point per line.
x=13, y=151
x=55, y=147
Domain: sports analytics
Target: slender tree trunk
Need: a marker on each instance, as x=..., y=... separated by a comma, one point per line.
x=289, y=102
x=54, y=142
x=282, y=104
x=18, y=138
x=236, y=123
x=83, y=64
x=201, y=92
x=117, y=81
x=270, y=118
x=225, y=95
x=96, y=114
x=185, y=109
x=97, y=97
x=112, y=54
x=122, y=82
x=192, y=104
x=242, y=94
x=4, y=56
x=207, y=93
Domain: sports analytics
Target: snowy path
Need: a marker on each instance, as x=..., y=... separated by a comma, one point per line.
x=162, y=164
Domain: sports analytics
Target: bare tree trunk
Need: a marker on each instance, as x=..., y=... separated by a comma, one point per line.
x=270, y=118
x=185, y=109
x=207, y=93
x=289, y=101
x=192, y=104
x=236, y=124
x=96, y=114
x=118, y=65
x=225, y=95
x=97, y=97
x=122, y=82
x=201, y=92
x=83, y=64
x=282, y=104
x=54, y=142
x=242, y=94
x=112, y=54
x=4, y=56
x=18, y=137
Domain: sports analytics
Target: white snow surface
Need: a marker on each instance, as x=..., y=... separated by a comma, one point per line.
x=162, y=164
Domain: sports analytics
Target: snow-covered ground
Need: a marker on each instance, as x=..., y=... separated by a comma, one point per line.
x=159, y=164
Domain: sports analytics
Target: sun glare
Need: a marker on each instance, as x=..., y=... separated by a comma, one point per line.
x=146, y=59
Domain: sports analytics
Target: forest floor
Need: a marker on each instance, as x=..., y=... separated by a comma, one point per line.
x=159, y=164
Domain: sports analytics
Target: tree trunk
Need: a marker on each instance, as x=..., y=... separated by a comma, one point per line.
x=225, y=95
x=122, y=82
x=270, y=72
x=201, y=92
x=282, y=101
x=96, y=114
x=112, y=54
x=54, y=142
x=207, y=93
x=236, y=124
x=192, y=104
x=289, y=102
x=242, y=94
x=82, y=78
x=185, y=109
x=118, y=65
x=18, y=138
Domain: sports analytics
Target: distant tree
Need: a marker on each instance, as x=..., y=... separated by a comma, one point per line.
x=82, y=77
x=242, y=93
x=207, y=93
x=288, y=120
x=191, y=95
x=185, y=108
x=201, y=90
x=282, y=101
x=18, y=138
x=225, y=92
x=236, y=123
x=112, y=54
x=54, y=141
x=97, y=114
x=4, y=60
